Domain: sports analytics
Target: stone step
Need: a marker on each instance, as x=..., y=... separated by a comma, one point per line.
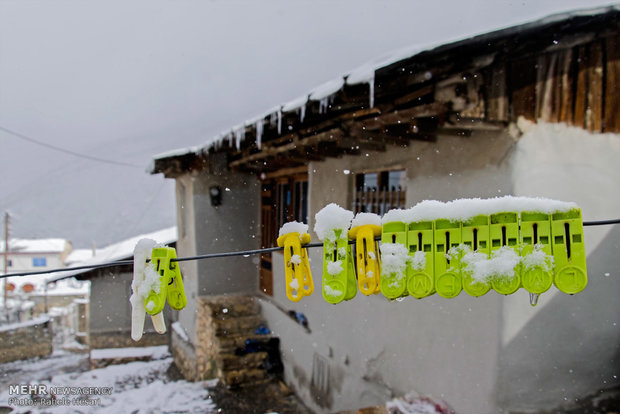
x=243, y=377
x=236, y=326
x=230, y=362
x=232, y=306
x=230, y=343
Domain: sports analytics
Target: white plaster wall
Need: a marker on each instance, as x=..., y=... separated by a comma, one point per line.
x=186, y=246
x=570, y=164
x=233, y=226
x=22, y=262
x=568, y=346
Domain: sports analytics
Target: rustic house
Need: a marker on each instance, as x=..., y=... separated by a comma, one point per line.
x=530, y=110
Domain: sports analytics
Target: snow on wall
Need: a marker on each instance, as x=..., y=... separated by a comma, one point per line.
x=555, y=160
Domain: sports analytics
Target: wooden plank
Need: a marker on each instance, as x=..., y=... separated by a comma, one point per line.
x=475, y=106
x=286, y=172
x=545, y=81
x=267, y=151
x=566, y=86
x=406, y=115
x=612, y=85
x=594, y=112
x=414, y=95
x=523, y=89
x=579, y=116
x=496, y=95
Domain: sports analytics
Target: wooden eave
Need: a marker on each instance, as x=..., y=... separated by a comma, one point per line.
x=453, y=89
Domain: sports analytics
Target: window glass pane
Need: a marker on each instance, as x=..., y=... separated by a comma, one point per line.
x=304, y=202
x=370, y=180
x=39, y=261
x=297, y=204
x=396, y=179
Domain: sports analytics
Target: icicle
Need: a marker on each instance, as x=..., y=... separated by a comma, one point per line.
x=230, y=139
x=323, y=104
x=273, y=119
x=239, y=136
x=371, y=91
x=279, y=121
x=302, y=113
x=259, y=132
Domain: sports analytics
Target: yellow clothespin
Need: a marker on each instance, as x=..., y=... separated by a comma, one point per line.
x=365, y=227
x=297, y=267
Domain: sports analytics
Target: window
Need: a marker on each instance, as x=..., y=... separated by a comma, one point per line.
x=292, y=201
x=39, y=261
x=9, y=263
x=378, y=192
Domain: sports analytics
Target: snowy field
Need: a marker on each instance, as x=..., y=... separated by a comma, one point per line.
x=136, y=387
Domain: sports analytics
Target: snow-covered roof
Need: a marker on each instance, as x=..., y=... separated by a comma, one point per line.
x=78, y=255
x=36, y=321
x=112, y=253
x=124, y=249
x=36, y=245
x=366, y=74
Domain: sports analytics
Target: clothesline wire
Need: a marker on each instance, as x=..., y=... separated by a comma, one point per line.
x=216, y=255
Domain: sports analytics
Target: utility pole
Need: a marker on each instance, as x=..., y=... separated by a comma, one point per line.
x=6, y=254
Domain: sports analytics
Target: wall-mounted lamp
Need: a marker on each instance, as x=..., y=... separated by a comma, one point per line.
x=215, y=191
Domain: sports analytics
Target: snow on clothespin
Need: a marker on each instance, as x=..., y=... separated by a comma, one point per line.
x=395, y=257
x=152, y=284
x=331, y=225
x=292, y=237
x=364, y=228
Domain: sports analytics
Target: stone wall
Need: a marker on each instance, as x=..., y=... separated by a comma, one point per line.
x=26, y=340
x=184, y=356
x=223, y=324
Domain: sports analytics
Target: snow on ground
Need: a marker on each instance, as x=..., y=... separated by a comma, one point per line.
x=39, y=369
x=154, y=352
x=136, y=387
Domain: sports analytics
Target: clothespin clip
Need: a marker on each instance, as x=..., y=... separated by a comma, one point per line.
x=297, y=267
x=331, y=225
x=394, y=259
x=171, y=282
x=153, y=283
x=365, y=227
x=569, y=252
x=536, y=253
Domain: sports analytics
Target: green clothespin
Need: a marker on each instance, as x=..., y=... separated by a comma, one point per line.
x=170, y=282
x=569, y=251
x=537, y=274
x=475, y=235
x=337, y=255
x=421, y=273
x=393, y=283
x=505, y=232
x=447, y=235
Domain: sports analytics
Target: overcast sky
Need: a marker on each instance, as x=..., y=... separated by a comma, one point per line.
x=125, y=80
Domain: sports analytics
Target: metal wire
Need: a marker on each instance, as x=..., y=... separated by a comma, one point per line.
x=216, y=255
